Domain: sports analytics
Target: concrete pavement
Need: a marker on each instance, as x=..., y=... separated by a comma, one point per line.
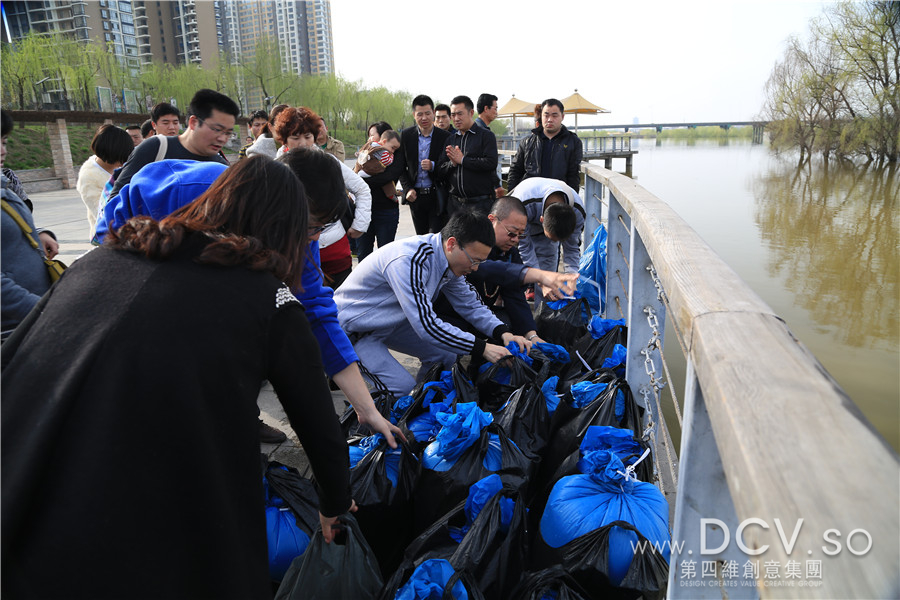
x=64, y=213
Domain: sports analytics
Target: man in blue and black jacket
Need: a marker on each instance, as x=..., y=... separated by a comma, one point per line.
x=500, y=280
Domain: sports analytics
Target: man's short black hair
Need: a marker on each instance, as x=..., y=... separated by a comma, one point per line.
x=161, y=110
x=6, y=122
x=507, y=205
x=130, y=127
x=553, y=102
x=324, y=183
x=146, y=127
x=204, y=101
x=485, y=101
x=422, y=100
x=442, y=107
x=112, y=144
x=559, y=220
x=463, y=100
x=469, y=226
x=259, y=114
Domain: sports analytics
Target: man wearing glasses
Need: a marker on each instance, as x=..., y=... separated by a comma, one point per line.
x=210, y=126
x=386, y=302
x=500, y=280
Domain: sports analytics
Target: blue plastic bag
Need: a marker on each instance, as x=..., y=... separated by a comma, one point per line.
x=554, y=352
x=366, y=445
x=429, y=580
x=479, y=495
x=593, y=266
x=548, y=389
x=458, y=432
x=580, y=504
x=585, y=392
x=620, y=353
x=425, y=427
x=285, y=539
x=602, y=437
x=600, y=326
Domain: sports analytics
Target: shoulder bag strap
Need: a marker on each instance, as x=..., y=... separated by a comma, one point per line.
x=20, y=221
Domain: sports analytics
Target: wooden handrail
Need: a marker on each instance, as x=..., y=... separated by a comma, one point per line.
x=792, y=444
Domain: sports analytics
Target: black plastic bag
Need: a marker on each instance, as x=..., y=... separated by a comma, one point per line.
x=591, y=351
x=527, y=421
x=383, y=400
x=499, y=380
x=569, y=424
x=546, y=366
x=439, y=491
x=438, y=541
x=586, y=558
x=443, y=578
x=465, y=388
x=345, y=568
x=494, y=553
x=384, y=505
x=292, y=515
x=297, y=491
x=565, y=325
x=553, y=582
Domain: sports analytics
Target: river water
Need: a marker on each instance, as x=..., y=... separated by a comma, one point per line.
x=818, y=244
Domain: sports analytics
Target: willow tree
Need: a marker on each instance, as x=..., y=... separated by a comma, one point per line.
x=23, y=66
x=839, y=91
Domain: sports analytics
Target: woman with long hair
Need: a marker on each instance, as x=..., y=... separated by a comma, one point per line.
x=130, y=444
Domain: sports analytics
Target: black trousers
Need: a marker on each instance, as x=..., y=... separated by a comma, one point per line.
x=425, y=211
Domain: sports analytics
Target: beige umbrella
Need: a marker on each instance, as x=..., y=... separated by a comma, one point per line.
x=579, y=105
x=516, y=108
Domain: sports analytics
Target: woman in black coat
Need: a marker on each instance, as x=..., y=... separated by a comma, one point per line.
x=130, y=450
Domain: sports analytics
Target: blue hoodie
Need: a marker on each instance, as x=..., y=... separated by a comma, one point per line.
x=157, y=190
x=161, y=187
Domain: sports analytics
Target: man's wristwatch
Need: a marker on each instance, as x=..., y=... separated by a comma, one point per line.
x=531, y=337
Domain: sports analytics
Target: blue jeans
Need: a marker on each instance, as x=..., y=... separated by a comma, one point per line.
x=382, y=228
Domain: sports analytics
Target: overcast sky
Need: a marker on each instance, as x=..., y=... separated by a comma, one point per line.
x=672, y=61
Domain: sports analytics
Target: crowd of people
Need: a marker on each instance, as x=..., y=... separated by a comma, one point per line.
x=211, y=278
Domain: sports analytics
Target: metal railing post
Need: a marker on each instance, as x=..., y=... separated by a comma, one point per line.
x=593, y=208
x=618, y=230
x=644, y=364
x=703, y=494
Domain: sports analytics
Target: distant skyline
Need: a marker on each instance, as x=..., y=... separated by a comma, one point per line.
x=654, y=61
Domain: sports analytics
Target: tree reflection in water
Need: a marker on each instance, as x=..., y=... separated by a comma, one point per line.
x=832, y=234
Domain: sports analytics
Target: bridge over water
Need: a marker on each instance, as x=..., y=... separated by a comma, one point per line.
x=758, y=126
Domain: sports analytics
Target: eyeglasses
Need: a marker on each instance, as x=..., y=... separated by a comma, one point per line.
x=512, y=233
x=315, y=229
x=218, y=129
x=475, y=261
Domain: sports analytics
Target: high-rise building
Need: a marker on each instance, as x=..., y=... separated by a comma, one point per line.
x=186, y=31
x=136, y=31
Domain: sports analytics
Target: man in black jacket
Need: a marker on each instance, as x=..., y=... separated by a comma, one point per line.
x=420, y=148
x=469, y=164
x=550, y=151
